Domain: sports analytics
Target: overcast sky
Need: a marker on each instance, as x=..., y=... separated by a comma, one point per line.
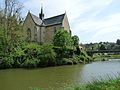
x=91, y=20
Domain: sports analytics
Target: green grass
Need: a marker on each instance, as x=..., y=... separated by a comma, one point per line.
x=111, y=84
x=101, y=57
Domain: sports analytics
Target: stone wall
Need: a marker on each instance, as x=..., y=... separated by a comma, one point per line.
x=29, y=23
x=65, y=24
x=49, y=34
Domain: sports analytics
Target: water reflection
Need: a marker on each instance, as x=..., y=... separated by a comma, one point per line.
x=101, y=70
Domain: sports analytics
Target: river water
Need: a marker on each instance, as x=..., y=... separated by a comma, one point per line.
x=55, y=78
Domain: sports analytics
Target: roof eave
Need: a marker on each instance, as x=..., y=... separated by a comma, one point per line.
x=53, y=24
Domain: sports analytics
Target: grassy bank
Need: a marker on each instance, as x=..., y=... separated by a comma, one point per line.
x=106, y=57
x=111, y=84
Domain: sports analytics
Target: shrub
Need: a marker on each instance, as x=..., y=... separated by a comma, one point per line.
x=47, y=55
x=30, y=63
x=62, y=39
x=6, y=62
x=67, y=61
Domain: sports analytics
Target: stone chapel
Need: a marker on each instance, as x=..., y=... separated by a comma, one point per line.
x=41, y=30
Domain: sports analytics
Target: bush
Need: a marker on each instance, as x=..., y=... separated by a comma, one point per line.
x=30, y=63
x=62, y=38
x=75, y=59
x=47, y=55
x=67, y=61
x=33, y=55
x=84, y=57
x=6, y=62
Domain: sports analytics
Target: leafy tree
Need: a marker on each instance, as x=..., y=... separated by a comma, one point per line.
x=118, y=42
x=10, y=22
x=63, y=43
x=75, y=39
x=62, y=39
x=47, y=55
x=116, y=47
x=39, y=55
x=102, y=47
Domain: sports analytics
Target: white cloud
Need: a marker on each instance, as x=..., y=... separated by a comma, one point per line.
x=109, y=26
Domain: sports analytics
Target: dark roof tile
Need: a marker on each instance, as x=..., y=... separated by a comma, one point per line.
x=54, y=20
x=36, y=19
x=48, y=21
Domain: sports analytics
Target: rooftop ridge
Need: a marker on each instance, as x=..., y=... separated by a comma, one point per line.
x=48, y=21
x=36, y=19
x=48, y=17
x=55, y=16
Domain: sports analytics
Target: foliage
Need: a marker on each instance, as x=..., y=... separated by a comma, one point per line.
x=47, y=55
x=84, y=57
x=112, y=84
x=63, y=45
x=75, y=39
x=39, y=55
x=30, y=63
x=102, y=47
x=62, y=39
x=118, y=42
x=116, y=47
x=29, y=55
x=67, y=61
x=6, y=62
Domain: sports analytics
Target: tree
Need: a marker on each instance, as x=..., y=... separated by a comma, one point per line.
x=75, y=39
x=47, y=55
x=102, y=47
x=62, y=39
x=63, y=44
x=10, y=22
x=118, y=42
x=10, y=30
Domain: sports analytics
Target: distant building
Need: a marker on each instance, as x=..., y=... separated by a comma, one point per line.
x=38, y=29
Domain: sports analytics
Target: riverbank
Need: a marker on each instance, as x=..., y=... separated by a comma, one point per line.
x=106, y=57
x=40, y=56
x=111, y=84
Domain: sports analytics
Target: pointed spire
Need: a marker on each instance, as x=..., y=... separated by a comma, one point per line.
x=41, y=15
x=28, y=11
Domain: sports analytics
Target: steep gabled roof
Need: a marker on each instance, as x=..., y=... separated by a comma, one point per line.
x=36, y=19
x=48, y=21
x=54, y=20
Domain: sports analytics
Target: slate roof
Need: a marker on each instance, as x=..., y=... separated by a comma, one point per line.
x=36, y=19
x=54, y=20
x=48, y=21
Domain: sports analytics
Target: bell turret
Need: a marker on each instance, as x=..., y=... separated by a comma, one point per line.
x=41, y=15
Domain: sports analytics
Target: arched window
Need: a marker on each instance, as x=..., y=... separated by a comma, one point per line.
x=35, y=33
x=29, y=34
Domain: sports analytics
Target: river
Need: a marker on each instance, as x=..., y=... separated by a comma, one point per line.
x=55, y=78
